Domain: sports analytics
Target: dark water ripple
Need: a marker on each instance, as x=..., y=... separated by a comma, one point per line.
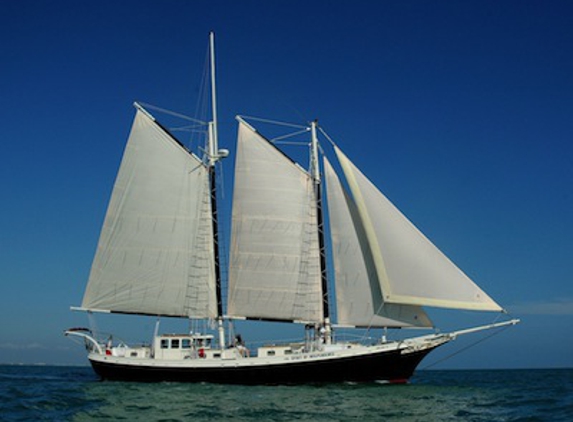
x=74, y=394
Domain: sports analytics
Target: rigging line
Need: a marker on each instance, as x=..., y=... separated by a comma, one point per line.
x=371, y=322
x=290, y=135
x=188, y=128
x=201, y=104
x=326, y=136
x=289, y=143
x=221, y=179
x=173, y=113
x=466, y=348
x=202, y=97
x=295, y=110
x=275, y=122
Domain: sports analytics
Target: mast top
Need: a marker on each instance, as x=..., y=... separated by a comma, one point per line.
x=215, y=154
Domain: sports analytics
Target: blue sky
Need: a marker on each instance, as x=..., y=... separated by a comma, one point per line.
x=459, y=111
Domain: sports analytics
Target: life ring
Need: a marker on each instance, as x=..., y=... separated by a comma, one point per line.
x=202, y=353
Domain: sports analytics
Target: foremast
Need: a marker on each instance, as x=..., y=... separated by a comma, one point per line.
x=214, y=156
x=315, y=174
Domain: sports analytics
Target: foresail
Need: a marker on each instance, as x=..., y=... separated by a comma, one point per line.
x=358, y=295
x=411, y=270
x=274, y=270
x=155, y=252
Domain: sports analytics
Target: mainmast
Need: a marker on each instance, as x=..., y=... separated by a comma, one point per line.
x=315, y=173
x=214, y=156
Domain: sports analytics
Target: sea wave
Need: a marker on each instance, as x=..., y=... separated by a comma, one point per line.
x=75, y=394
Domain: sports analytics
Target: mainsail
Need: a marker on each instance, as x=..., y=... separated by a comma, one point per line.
x=274, y=269
x=358, y=295
x=155, y=252
x=411, y=270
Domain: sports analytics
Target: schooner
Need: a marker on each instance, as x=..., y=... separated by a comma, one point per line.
x=158, y=255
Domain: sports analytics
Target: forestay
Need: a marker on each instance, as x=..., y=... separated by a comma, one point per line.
x=155, y=252
x=274, y=270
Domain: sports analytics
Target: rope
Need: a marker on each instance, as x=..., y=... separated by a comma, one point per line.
x=172, y=113
x=326, y=136
x=466, y=348
x=275, y=122
x=290, y=135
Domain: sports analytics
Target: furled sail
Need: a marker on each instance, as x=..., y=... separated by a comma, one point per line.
x=155, y=252
x=411, y=270
x=274, y=269
x=358, y=295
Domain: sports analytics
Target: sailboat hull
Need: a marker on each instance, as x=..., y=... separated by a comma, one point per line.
x=392, y=366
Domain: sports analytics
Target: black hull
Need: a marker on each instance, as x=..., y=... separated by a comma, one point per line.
x=387, y=366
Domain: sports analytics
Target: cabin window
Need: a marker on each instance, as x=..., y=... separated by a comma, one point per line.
x=133, y=354
x=185, y=343
x=216, y=355
x=270, y=352
x=175, y=343
x=288, y=352
x=165, y=344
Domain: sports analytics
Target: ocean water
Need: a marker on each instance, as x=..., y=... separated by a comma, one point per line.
x=35, y=393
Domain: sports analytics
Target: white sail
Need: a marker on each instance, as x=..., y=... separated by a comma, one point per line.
x=155, y=252
x=358, y=295
x=411, y=270
x=274, y=270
